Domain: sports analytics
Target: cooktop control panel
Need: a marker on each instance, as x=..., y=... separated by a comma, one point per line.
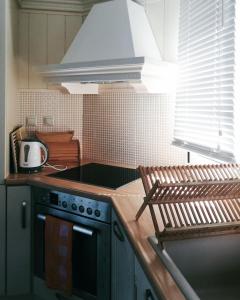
x=91, y=208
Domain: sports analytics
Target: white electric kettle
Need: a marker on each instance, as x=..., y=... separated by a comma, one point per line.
x=31, y=159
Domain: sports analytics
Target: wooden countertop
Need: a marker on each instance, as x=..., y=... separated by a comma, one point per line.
x=126, y=201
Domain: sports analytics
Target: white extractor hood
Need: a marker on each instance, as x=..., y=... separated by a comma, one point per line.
x=114, y=49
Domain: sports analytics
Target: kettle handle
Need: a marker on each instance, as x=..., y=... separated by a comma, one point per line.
x=45, y=150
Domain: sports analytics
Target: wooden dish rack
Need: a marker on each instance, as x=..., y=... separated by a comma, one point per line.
x=193, y=200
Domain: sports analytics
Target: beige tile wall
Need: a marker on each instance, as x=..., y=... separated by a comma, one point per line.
x=129, y=128
x=67, y=110
x=113, y=127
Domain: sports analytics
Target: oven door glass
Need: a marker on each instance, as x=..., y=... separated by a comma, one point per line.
x=88, y=267
x=85, y=263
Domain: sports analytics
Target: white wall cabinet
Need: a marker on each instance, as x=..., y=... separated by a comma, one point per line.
x=18, y=240
x=44, y=38
x=122, y=263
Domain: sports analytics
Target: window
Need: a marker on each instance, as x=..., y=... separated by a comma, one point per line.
x=207, y=112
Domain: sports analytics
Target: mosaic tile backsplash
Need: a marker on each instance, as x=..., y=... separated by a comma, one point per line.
x=130, y=128
x=113, y=127
x=67, y=110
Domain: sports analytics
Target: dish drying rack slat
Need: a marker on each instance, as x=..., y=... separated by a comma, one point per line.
x=189, y=200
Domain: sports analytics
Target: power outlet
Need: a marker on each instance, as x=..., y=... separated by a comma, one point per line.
x=31, y=121
x=48, y=121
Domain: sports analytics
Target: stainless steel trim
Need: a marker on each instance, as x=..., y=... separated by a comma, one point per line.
x=77, y=228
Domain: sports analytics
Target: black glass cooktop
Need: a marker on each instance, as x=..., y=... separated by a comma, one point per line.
x=98, y=174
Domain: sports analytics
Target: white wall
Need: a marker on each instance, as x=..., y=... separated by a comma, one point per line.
x=156, y=15
x=2, y=89
x=11, y=72
x=163, y=16
x=8, y=78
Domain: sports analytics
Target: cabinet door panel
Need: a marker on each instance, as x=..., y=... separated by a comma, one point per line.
x=18, y=240
x=122, y=264
x=37, y=48
x=144, y=290
x=23, y=46
x=73, y=24
x=56, y=38
x=2, y=238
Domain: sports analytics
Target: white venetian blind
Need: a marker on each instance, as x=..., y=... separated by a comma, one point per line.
x=205, y=112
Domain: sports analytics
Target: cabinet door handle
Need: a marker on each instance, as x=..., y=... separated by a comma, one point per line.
x=24, y=214
x=117, y=231
x=149, y=295
x=76, y=228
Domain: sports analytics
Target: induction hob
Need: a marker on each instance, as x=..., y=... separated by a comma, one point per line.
x=98, y=174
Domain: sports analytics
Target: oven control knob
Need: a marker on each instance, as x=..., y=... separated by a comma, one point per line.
x=74, y=206
x=64, y=204
x=81, y=209
x=89, y=210
x=97, y=213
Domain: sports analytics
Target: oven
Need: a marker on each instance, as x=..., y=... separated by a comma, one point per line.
x=91, y=243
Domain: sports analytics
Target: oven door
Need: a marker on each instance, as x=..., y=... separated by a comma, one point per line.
x=91, y=254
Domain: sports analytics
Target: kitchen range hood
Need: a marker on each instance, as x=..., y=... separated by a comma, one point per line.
x=114, y=50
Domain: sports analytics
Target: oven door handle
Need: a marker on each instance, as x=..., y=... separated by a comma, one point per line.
x=77, y=228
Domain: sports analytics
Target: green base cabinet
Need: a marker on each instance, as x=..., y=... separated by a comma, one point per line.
x=18, y=240
x=2, y=238
x=129, y=281
x=144, y=290
x=122, y=263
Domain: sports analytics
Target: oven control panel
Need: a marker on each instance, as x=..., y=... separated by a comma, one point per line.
x=91, y=208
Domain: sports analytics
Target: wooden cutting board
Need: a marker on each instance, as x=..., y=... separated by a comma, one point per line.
x=17, y=135
x=55, y=136
x=64, y=152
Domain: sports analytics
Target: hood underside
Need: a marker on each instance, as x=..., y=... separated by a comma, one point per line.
x=114, y=49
